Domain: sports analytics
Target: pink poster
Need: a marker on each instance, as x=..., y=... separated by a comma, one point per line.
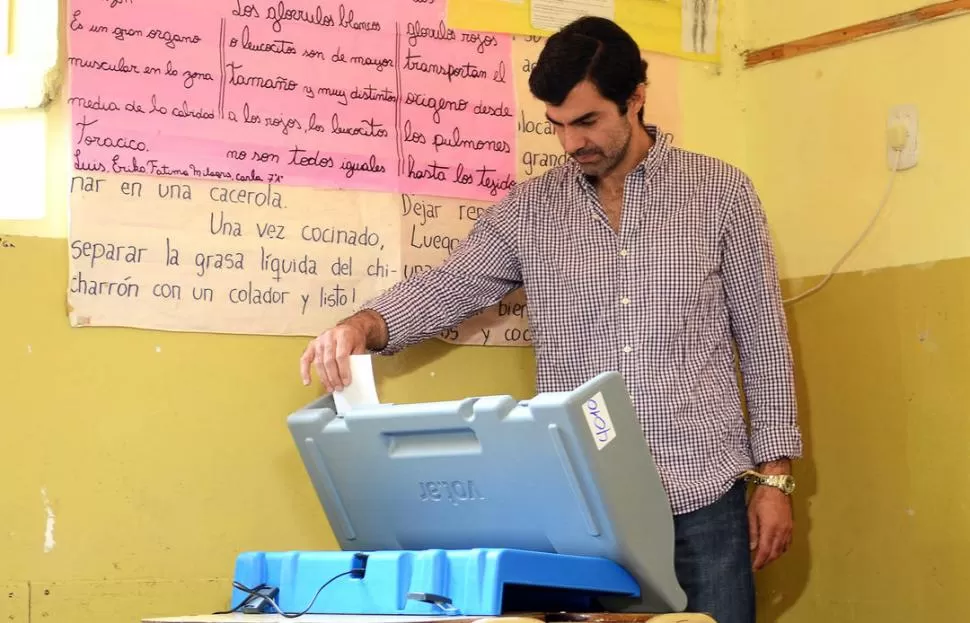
x=356, y=94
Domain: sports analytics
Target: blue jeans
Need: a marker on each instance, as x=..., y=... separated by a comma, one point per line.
x=712, y=559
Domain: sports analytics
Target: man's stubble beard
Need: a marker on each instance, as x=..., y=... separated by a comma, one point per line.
x=614, y=161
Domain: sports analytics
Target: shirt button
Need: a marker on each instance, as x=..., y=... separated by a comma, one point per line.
x=624, y=253
x=625, y=301
x=627, y=349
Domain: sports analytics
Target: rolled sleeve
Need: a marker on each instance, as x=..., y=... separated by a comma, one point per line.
x=482, y=269
x=760, y=329
x=772, y=443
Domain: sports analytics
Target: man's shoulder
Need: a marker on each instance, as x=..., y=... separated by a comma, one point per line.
x=527, y=196
x=709, y=170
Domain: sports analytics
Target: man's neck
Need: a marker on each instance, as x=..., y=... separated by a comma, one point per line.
x=640, y=144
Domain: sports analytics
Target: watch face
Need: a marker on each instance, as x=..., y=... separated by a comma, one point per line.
x=786, y=483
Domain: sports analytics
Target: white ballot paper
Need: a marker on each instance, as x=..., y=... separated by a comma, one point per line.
x=362, y=391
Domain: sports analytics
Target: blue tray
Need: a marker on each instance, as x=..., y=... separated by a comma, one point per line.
x=477, y=582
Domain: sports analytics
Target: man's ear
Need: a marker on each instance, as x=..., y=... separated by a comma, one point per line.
x=637, y=99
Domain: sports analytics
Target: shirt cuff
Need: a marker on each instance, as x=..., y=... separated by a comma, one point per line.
x=776, y=442
x=395, y=315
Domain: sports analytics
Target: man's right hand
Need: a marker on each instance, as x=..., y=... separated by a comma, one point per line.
x=330, y=352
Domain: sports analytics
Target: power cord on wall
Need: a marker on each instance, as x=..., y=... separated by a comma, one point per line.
x=897, y=140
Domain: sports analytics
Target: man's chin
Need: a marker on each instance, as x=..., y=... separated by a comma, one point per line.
x=592, y=169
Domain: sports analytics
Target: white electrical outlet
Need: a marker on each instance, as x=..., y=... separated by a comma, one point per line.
x=904, y=116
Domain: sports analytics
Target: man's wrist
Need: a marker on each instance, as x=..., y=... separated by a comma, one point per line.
x=777, y=467
x=774, y=474
x=372, y=325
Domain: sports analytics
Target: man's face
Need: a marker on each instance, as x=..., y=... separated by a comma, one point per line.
x=591, y=129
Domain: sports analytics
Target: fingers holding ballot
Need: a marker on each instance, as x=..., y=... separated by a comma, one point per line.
x=342, y=360
x=330, y=354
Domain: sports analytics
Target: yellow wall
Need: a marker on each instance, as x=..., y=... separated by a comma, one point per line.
x=883, y=512
x=817, y=136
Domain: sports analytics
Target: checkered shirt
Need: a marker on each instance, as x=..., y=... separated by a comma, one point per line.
x=691, y=267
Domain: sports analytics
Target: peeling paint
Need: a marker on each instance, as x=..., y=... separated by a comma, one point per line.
x=158, y=349
x=29, y=349
x=49, y=522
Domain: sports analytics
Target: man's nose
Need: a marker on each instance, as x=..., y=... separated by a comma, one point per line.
x=572, y=140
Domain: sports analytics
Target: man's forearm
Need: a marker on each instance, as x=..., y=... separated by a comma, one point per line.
x=777, y=467
x=372, y=325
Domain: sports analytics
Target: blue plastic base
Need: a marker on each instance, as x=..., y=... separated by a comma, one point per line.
x=477, y=582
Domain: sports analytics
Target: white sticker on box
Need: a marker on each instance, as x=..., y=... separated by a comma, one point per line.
x=598, y=420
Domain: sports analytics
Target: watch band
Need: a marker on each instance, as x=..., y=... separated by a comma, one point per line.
x=783, y=482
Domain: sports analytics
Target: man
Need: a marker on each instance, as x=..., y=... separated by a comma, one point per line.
x=647, y=259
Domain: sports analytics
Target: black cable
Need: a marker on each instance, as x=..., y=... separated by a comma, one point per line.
x=253, y=592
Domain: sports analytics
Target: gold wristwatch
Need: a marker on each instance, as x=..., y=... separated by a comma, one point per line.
x=784, y=482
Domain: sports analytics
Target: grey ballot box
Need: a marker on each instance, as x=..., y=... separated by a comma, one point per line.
x=565, y=473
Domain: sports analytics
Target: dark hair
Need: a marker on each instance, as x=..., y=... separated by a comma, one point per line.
x=592, y=48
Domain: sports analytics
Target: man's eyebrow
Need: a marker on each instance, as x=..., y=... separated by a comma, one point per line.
x=587, y=117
